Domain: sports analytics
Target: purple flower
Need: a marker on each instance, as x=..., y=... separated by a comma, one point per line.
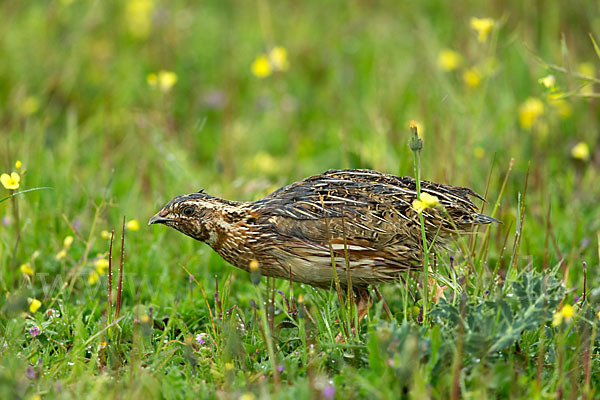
x=34, y=331
x=329, y=392
x=487, y=292
x=6, y=221
x=201, y=338
x=280, y=368
x=284, y=298
x=576, y=299
x=30, y=373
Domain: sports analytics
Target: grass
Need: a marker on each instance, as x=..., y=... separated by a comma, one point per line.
x=79, y=114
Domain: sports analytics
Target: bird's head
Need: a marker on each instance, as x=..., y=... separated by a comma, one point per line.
x=190, y=214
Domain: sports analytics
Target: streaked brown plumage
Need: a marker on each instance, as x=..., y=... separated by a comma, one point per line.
x=289, y=232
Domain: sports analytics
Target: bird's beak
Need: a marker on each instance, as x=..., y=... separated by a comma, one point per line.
x=158, y=219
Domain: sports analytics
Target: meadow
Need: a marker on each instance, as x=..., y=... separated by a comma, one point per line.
x=108, y=109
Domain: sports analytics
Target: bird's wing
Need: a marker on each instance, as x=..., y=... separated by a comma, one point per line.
x=361, y=205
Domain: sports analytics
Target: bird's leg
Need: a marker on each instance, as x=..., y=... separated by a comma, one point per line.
x=363, y=303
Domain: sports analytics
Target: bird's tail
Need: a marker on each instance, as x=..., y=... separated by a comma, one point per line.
x=483, y=219
x=477, y=219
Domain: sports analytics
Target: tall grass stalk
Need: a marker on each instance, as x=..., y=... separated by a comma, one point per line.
x=267, y=335
x=416, y=145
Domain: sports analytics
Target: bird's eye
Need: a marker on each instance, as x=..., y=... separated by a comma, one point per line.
x=188, y=211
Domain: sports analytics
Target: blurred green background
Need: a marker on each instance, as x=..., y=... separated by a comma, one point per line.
x=78, y=110
x=119, y=106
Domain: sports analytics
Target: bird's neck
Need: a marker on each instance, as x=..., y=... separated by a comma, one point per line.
x=228, y=230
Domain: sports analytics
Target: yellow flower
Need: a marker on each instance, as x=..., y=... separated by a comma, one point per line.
x=278, y=58
x=449, y=60
x=557, y=318
x=105, y=234
x=228, y=366
x=598, y=315
x=483, y=26
x=18, y=164
x=166, y=80
x=426, y=201
x=138, y=14
x=261, y=67
x=26, y=269
x=562, y=107
x=101, y=265
x=247, y=396
x=563, y=315
x=10, y=181
x=472, y=77
x=133, y=225
x=34, y=304
x=93, y=278
x=29, y=106
x=568, y=311
x=581, y=151
x=67, y=242
x=479, y=152
x=253, y=265
x=61, y=254
x=548, y=81
x=529, y=111
x=152, y=79
x=419, y=125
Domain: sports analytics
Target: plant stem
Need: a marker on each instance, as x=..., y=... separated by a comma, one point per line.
x=268, y=338
x=15, y=208
x=416, y=144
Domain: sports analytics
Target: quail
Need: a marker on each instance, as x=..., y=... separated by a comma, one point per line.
x=365, y=219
